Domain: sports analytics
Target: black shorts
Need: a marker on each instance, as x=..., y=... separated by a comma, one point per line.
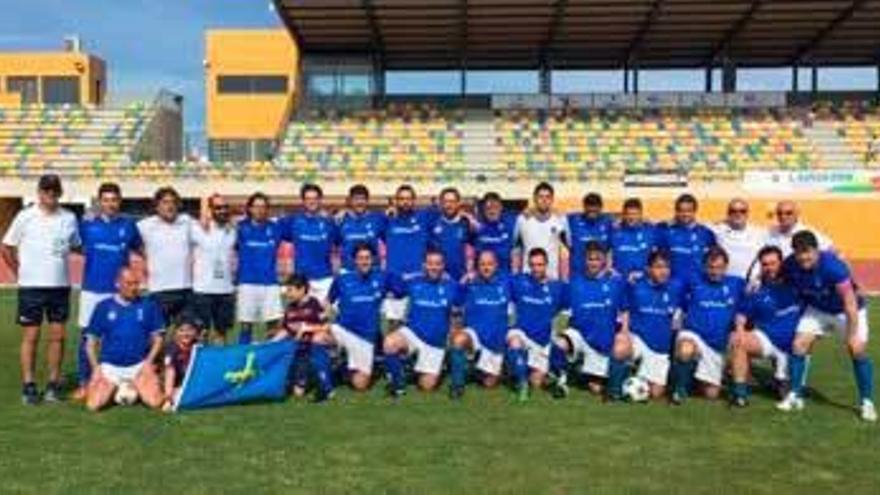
x=37, y=303
x=214, y=311
x=174, y=303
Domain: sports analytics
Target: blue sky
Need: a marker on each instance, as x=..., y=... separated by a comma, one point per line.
x=154, y=44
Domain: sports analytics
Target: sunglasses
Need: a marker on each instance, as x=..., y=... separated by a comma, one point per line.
x=784, y=213
x=737, y=211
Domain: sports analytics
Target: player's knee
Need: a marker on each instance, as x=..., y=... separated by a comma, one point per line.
x=686, y=350
x=460, y=340
x=428, y=382
x=801, y=345
x=514, y=342
x=491, y=381
x=392, y=343
x=622, y=348
x=563, y=343
x=322, y=338
x=360, y=381
x=536, y=379
x=712, y=392
x=857, y=349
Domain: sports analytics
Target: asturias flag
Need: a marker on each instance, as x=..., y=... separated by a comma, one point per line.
x=220, y=375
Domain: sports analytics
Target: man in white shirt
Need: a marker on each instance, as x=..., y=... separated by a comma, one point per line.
x=739, y=239
x=37, y=246
x=788, y=224
x=542, y=228
x=168, y=249
x=213, y=301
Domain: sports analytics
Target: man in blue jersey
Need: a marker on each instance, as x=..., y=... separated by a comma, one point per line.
x=314, y=236
x=632, y=240
x=358, y=225
x=833, y=305
x=451, y=233
x=432, y=297
x=651, y=306
x=590, y=225
x=595, y=297
x=686, y=240
x=259, y=294
x=710, y=304
x=537, y=301
x=407, y=234
x=485, y=299
x=124, y=340
x=108, y=240
x=765, y=326
x=359, y=295
x=494, y=231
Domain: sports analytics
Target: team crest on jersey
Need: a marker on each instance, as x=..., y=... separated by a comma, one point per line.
x=121, y=232
x=140, y=314
x=111, y=315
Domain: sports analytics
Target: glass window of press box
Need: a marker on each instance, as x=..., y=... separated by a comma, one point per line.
x=26, y=86
x=241, y=150
x=60, y=90
x=266, y=84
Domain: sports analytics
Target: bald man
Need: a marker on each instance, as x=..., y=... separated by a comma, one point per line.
x=741, y=240
x=788, y=224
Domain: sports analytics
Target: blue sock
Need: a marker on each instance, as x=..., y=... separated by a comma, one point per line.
x=83, y=367
x=558, y=360
x=797, y=369
x=457, y=368
x=739, y=390
x=294, y=363
x=321, y=364
x=864, y=371
x=517, y=361
x=683, y=372
x=246, y=334
x=394, y=369
x=616, y=375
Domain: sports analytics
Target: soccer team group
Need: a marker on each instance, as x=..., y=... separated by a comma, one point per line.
x=660, y=310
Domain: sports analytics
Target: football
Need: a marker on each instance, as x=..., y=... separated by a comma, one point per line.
x=636, y=389
x=126, y=394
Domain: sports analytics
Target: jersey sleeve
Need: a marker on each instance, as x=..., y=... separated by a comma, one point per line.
x=15, y=231
x=72, y=234
x=333, y=293
x=835, y=271
x=286, y=225
x=563, y=299
x=711, y=238
x=517, y=230
x=96, y=326
x=155, y=318
x=136, y=242
x=459, y=293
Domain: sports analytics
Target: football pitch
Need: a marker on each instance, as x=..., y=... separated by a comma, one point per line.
x=427, y=444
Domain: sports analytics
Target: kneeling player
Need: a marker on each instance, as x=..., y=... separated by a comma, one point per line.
x=833, y=304
x=596, y=301
x=537, y=300
x=486, y=302
x=651, y=305
x=773, y=310
x=432, y=297
x=303, y=320
x=711, y=301
x=178, y=354
x=359, y=295
x=128, y=329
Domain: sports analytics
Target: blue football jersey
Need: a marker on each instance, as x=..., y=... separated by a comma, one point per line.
x=687, y=245
x=430, y=307
x=497, y=237
x=355, y=229
x=631, y=245
x=452, y=237
x=651, y=308
x=257, y=247
x=125, y=329
x=582, y=230
x=406, y=242
x=818, y=287
x=710, y=307
x=596, y=304
x=359, y=297
x=107, y=244
x=486, y=304
x=313, y=237
x=776, y=310
x=537, y=304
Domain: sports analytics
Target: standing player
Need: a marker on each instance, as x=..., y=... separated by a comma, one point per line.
x=833, y=304
x=542, y=228
x=632, y=241
x=583, y=228
x=37, y=246
x=213, y=301
x=739, y=239
x=451, y=234
x=773, y=310
x=788, y=223
x=711, y=300
x=359, y=295
x=485, y=300
x=259, y=295
x=686, y=240
x=313, y=235
x=108, y=241
x=432, y=297
x=358, y=226
x=167, y=238
x=652, y=304
x=537, y=301
x=596, y=299
x=128, y=329
x=494, y=231
x=406, y=241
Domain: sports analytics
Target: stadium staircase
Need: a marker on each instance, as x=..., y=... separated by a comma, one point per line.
x=832, y=149
x=478, y=145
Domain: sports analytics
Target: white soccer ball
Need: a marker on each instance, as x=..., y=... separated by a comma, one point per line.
x=126, y=394
x=636, y=389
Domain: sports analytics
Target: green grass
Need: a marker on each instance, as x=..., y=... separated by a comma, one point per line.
x=426, y=444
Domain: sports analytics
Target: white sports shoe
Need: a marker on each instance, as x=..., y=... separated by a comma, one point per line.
x=791, y=402
x=867, y=411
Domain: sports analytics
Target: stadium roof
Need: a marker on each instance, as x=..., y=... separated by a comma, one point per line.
x=600, y=34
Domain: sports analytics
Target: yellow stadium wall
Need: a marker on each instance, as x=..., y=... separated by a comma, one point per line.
x=249, y=52
x=91, y=71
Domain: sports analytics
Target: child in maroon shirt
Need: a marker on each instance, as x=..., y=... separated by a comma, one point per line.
x=303, y=319
x=178, y=354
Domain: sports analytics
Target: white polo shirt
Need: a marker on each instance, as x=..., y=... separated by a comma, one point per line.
x=742, y=246
x=546, y=233
x=214, y=258
x=168, y=248
x=783, y=240
x=43, y=241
